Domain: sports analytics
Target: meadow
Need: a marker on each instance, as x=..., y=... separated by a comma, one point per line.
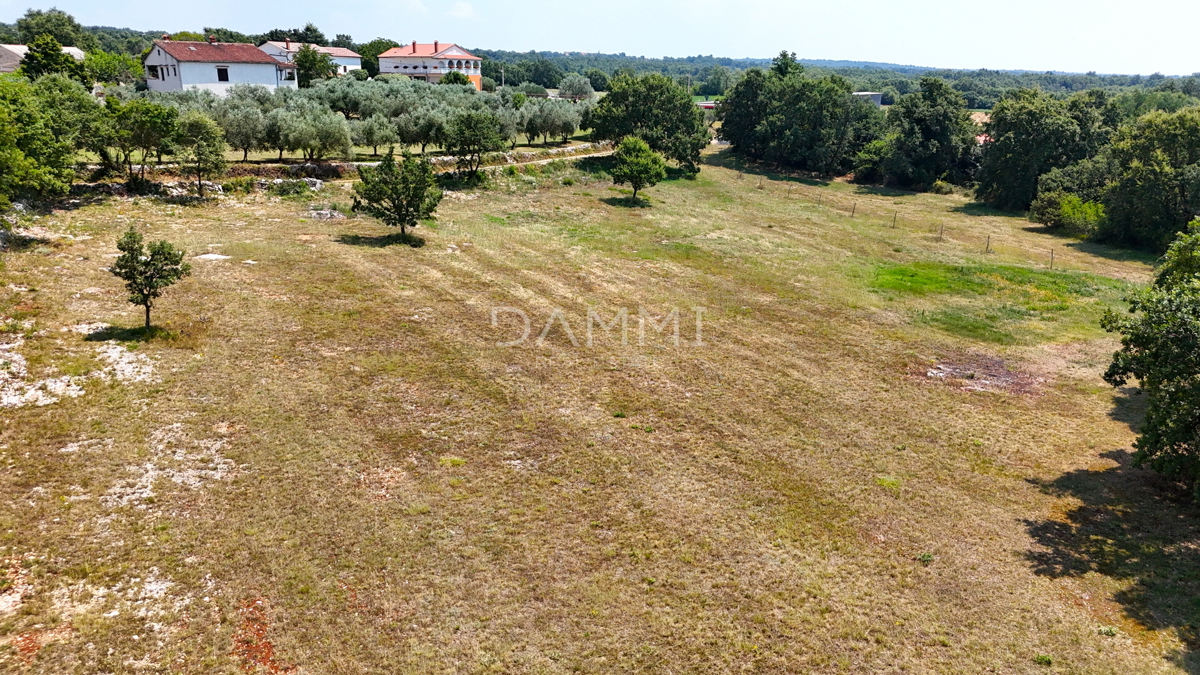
x=879, y=444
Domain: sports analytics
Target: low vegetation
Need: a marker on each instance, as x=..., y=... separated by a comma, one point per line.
x=330, y=449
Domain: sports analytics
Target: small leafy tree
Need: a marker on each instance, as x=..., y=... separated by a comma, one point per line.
x=145, y=126
x=46, y=56
x=245, y=128
x=454, y=77
x=401, y=195
x=598, y=79
x=470, y=136
x=202, y=145
x=312, y=65
x=112, y=68
x=374, y=132
x=147, y=273
x=636, y=164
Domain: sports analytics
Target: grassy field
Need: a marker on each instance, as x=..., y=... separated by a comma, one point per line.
x=888, y=452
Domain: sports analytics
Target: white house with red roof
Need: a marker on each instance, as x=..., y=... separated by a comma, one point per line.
x=345, y=59
x=431, y=62
x=215, y=66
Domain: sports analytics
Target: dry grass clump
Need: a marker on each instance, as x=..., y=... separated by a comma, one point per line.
x=791, y=492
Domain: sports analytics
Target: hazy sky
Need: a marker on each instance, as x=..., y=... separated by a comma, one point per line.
x=1108, y=36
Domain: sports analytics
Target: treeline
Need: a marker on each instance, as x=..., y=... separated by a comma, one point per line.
x=713, y=76
x=46, y=123
x=1123, y=168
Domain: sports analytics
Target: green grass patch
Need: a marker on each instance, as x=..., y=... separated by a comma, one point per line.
x=928, y=278
x=985, y=326
x=1002, y=304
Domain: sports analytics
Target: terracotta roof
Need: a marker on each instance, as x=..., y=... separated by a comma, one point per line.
x=215, y=52
x=427, y=50
x=339, y=52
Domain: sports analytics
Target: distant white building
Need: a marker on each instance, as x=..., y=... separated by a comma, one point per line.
x=215, y=66
x=12, y=55
x=285, y=51
x=872, y=96
x=431, y=62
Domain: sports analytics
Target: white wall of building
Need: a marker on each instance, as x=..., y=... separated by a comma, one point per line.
x=177, y=76
x=346, y=64
x=168, y=72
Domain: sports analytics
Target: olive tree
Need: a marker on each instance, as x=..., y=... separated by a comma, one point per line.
x=401, y=195
x=374, y=132
x=202, y=147
x=576, y=87
x=147, y=272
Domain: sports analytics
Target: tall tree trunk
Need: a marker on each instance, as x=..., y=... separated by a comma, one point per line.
x=147, y=316
x=245, y=154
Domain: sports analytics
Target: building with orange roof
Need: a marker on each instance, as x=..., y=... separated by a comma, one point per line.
x=431, y=62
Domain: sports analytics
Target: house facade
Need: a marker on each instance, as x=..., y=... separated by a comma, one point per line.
x=12, y=55
x=215, y=66
x=431, y=62
x=284, y=52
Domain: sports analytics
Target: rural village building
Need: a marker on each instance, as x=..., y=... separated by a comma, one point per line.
x=872, y=96
x=12, y=55
x=215, y=66
x=285, y=51
x=431, y=62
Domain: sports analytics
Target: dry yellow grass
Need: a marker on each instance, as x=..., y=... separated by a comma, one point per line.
x=336, y=469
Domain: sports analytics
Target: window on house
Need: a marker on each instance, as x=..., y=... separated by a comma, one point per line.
x=152, y=72
x=222, y=74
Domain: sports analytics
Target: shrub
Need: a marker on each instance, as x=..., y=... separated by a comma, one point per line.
x=244, y=184
x=1060, y=210
x=289, y=188
x=941, y=187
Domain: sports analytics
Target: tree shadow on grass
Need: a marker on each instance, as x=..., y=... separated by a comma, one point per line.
x=1136, y=529
x=977, y=209
x=726, y=159
x=1114, y=252
x=627, y=202
x=595, y=166
x=123, y=334
x=1107, y=251
x=382, y=241
x=1129, y=407
x=883, y=191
